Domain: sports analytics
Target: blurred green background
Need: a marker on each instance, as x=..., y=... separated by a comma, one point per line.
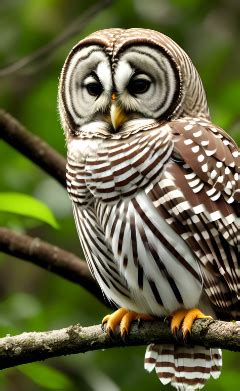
x=31, y=298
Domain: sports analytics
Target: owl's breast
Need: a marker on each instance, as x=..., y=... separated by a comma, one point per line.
x=110, y=170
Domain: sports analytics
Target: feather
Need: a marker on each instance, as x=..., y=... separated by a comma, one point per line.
x=185, y=368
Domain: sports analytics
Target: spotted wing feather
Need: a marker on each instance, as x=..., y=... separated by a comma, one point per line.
x=204, y=210
x=212, y=155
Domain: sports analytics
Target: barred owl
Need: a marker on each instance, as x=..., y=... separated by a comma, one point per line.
x=155, y=191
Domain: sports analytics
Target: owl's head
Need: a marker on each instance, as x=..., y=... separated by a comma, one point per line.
x=117, y=81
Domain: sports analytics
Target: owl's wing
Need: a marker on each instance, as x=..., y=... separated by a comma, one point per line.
x=198, y=194
x=212, y=155
x=99, y=255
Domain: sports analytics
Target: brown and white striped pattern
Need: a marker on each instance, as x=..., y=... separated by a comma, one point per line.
x=117, y=168
x=111, y=177
x=185, y=368
x=156, y=204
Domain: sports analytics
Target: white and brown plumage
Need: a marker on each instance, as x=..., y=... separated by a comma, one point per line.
x=155, y=190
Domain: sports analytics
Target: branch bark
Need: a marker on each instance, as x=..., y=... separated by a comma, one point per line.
x=36, y=346
x=33, y=147
x=52, y=258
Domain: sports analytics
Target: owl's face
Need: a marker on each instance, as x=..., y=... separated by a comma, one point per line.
x=114, y=80
x=141, y=85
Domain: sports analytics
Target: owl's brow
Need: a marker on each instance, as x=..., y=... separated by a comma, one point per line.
x=95, y=76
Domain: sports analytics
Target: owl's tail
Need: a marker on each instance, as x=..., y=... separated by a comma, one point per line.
x=185, y=368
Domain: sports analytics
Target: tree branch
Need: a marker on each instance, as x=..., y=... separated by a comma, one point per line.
x=52, y=258
x=46, y=51
x=35, y=346
x=33, y=147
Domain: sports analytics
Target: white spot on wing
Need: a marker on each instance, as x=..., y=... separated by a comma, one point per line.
x=188, y=141
x=201, y=158
x=205, y=167
x=195, y=149
x=197, y=134
x=188, y=127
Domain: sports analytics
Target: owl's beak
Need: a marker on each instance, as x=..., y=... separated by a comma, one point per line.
x=118, y=117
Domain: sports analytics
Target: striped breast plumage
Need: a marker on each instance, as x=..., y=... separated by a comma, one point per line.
x=164, y=229
x=109, y=185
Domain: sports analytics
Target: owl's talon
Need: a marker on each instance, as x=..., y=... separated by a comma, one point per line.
x=110, y=332
x=124, y=335
x=183, y=319
x=185, y=336
x=175, y=332
x=123, y=319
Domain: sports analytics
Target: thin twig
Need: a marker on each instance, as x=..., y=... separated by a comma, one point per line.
x=33, y=147
x=46, y=51
x=35, y=346
x=49, y=257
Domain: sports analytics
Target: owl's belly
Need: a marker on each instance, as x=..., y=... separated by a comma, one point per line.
x=155, y=264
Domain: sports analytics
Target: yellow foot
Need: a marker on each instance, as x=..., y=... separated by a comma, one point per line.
x=123, y=318
x=183, y=319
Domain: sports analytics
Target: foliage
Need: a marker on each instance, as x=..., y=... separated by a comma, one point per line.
x=27, y=206
x=30, y=298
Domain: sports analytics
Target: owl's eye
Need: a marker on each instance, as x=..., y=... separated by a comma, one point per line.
x=94, y=88
x=93, y=85
x=139, y=85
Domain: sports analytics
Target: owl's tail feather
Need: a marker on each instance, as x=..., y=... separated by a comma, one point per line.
x=185, y=368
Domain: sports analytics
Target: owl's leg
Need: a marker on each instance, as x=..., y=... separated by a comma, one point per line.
x=183, y=320
x=122, y=318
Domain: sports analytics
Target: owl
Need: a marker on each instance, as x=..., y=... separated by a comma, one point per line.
x=155, y=191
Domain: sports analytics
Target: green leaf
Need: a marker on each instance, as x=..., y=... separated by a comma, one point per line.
x=45, y=376
x=27, y=206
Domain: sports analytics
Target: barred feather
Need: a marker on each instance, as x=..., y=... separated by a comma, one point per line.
x=185, y=368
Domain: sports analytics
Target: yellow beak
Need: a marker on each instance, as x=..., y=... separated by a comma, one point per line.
x=118, y=117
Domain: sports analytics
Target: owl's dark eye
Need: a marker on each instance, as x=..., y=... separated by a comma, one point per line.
x=94, y=88
x=138, y=85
